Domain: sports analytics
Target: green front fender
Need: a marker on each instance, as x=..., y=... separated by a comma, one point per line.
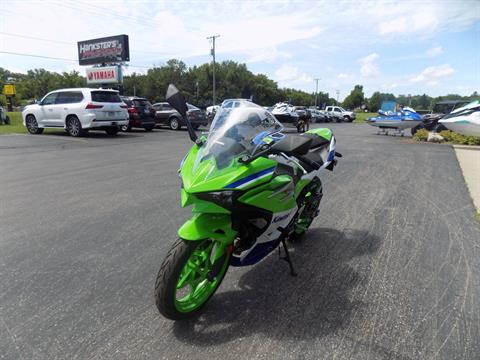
x=208, y=226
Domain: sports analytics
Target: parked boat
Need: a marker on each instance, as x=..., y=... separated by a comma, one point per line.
x=464, y=120
x=392, y=116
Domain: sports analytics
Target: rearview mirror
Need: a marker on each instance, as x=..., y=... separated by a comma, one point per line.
x=176, y=100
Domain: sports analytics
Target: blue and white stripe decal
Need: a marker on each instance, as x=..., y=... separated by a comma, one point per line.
x=250, y=178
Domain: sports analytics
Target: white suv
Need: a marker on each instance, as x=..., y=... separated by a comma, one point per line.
x=340, y=113
x=77, y=110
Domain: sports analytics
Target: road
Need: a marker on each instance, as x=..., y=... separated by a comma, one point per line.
x=389, y=270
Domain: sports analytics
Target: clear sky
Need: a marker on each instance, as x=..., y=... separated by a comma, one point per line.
x=403, y=47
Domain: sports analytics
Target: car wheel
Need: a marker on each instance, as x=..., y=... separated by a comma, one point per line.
x=174, y=124
x=74, y=127
x=112, y=131
x=7, y=120
x=347, y=118
x=32, y=125
x=126, y=128
x=149, y=128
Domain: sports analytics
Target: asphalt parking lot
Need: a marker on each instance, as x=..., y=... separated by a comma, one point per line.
x=389, y=270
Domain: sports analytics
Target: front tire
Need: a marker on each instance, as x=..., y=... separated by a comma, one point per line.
x=174, y=124
x=184, y=282
x=126, y=128
x=32, y=125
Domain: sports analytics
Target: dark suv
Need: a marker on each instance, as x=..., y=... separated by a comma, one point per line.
x=166, y=115
x=141, y=111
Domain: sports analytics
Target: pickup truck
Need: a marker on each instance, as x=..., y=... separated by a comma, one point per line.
x=340, y=113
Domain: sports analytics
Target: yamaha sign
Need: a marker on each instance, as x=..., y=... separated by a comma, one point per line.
x=105, y=75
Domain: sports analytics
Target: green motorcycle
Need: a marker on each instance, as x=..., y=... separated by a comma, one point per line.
x=252, y=188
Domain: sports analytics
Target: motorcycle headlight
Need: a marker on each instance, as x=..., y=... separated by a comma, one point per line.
x=220, y=198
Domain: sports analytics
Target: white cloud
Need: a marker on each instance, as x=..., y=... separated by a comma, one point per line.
x=434, y=51
x=267, y=55
x=419, y=21
x=343, y=76
x=390, y=86
x=433, y=74
x=289, y=75
x=369, y=68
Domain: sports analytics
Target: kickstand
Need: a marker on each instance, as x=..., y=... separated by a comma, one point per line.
x=287, y=258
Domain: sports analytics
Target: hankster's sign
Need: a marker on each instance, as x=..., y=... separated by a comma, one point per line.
x=104, y=50
x=105, y=75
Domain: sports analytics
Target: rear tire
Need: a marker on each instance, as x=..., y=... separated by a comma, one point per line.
x=148, y=128
x=32, y=125
x=7, y=120
x=126, y=128
x=112, y=131
x=168, y=279
x=174, y=124
x=74, y=127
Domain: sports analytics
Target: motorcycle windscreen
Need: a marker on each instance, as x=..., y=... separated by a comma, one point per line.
x=234, y=133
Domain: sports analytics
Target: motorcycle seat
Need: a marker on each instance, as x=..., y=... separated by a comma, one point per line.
x=292, y=145
x=317, y=141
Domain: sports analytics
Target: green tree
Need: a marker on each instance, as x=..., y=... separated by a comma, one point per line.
x=355, y=98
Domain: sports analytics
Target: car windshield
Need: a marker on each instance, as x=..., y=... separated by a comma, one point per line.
x=106, y=96
x=236, y=132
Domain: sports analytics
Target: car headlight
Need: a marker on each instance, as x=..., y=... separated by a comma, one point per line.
x=220, y=198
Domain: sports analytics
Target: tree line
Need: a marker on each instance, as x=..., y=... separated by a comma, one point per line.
x=233, y=80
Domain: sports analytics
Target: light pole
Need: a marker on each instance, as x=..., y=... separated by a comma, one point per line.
x=316, y=92
x=338, y=93
x=213, y=37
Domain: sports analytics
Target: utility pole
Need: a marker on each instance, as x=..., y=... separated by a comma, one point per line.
x=338, y=93
x=213, y=37
x=197, y=91
x=316, y=92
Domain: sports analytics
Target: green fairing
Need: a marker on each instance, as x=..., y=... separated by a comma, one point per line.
x=208, y=226
x=197, y=181
x=262, y=197
x=323, y=132
x=301, y=184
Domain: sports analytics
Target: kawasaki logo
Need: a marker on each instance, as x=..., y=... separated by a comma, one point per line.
x=280, y=218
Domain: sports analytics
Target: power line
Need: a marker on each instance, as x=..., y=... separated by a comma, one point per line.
x=62, y=59
x=36, y=56
x=35, y=38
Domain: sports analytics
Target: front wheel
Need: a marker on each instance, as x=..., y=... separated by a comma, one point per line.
x=174, y=124
x=188, y=277
x=32, y=125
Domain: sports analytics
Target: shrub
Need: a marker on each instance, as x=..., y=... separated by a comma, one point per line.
x=421, y=135
x=456, y=138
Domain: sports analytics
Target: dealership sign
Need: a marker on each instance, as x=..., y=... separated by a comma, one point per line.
x=104, y=75
x=104, y=50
